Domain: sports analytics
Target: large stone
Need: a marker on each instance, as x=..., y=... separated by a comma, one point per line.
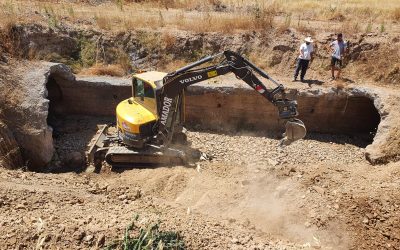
x=43, y=42
x=26, y=107
x=386, y=145
x=26, y=93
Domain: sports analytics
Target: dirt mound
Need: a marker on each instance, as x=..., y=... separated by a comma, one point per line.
x=376, y=57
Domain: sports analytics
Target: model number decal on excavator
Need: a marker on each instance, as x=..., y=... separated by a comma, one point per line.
x=191, y=79
x=165, y=110
x=212, y=73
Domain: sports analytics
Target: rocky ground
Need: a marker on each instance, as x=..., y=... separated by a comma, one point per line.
x=317, y=193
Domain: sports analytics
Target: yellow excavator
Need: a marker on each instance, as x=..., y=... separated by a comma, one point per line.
x=150, y=124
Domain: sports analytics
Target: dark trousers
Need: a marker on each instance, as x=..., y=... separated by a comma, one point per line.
x=303, y=66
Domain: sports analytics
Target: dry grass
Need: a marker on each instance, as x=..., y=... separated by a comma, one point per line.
x=103, y=21
x=226, y=23
x=285, y=25
x=168, y=40
x=305, y=28
x=183, y=14
x=104, y=70
x=396, y=14
x=339, y=84
x=168, y=65
x=9, y=40
x=208, y=21
x=349, y=27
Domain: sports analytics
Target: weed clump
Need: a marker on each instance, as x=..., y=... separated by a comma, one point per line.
x=149, y=237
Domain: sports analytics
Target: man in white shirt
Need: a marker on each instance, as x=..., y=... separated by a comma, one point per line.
x=306, y=53
x=339, y=48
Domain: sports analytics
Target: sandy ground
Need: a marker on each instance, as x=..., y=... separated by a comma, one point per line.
x=318, y=193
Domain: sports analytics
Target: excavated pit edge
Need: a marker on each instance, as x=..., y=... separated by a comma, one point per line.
x=99, y=89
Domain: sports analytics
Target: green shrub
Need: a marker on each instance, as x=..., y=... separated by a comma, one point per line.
x=147, y=238
x=88, y=53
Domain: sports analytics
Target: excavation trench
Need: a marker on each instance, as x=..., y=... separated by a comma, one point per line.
x=77, y=106
x=224, y=109
x=235, y=109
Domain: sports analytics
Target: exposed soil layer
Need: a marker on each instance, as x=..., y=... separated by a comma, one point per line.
x=242, y=108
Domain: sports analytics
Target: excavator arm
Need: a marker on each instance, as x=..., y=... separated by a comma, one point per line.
x=170, y=95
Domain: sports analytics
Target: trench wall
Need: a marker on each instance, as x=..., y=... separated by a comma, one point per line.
x=243, y=108
x=223, y=109
x=87, y=96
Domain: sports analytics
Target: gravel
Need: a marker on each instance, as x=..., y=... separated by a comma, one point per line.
x=253, y=150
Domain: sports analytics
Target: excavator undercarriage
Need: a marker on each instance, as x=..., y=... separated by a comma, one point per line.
x=106, y=146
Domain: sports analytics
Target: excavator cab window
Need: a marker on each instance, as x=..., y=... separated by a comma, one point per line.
x=142, y=89
x=148, y=91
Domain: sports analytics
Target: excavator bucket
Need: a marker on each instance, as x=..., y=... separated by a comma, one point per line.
x=295, y=130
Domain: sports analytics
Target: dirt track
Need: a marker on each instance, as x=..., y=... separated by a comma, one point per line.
x=318, y=193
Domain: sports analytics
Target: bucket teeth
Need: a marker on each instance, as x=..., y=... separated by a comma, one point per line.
x=295, y=130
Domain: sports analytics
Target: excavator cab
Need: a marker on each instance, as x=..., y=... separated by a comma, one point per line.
x=137, y=115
